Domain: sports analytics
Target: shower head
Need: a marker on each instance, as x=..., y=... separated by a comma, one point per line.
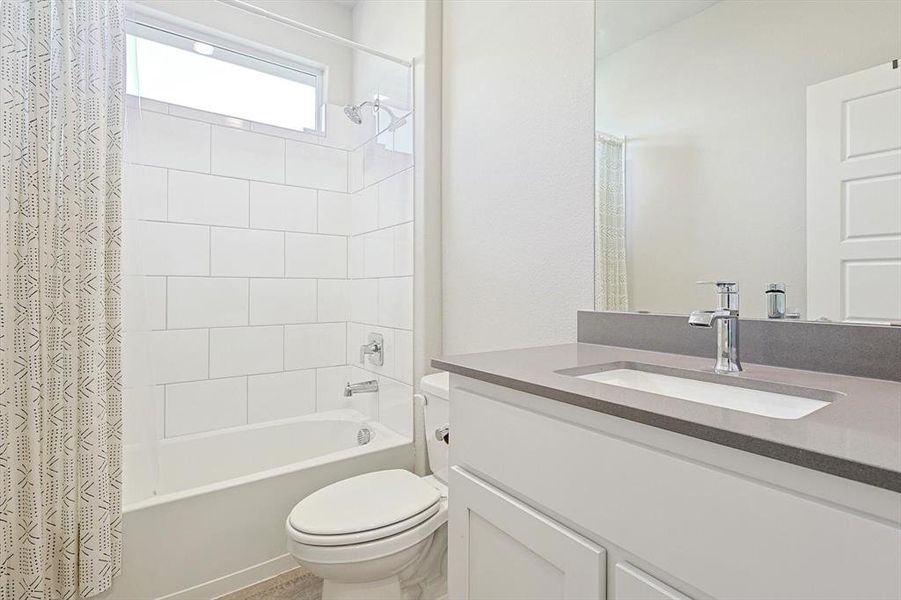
x=353, y=110
x=353, y=113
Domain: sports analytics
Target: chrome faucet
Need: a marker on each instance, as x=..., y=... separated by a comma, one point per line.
x=374, y=349
x=360, y=388
x=726, y=318
x=775, y=302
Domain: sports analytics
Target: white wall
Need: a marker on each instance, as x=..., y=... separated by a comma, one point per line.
x=322, y=14
x=517, y=172
x=714, y=109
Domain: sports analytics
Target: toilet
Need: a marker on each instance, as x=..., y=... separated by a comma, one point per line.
x=360, y=533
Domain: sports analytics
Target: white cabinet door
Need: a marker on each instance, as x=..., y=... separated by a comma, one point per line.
x=499, y=548
x=631, y=583
x=854, y=197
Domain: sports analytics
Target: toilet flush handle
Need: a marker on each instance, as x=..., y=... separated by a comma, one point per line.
x=442, y=434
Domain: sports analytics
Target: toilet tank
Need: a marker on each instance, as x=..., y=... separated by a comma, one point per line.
x=435, y=388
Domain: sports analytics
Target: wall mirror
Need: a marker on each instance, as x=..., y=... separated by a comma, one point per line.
x=755, y=141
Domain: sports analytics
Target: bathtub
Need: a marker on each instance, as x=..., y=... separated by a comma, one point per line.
x=204, y=514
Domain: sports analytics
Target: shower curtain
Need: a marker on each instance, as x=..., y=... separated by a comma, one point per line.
x=62, y=68
x=610, y=282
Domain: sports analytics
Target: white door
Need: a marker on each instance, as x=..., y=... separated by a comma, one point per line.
x=499, y=548
x=854, y=197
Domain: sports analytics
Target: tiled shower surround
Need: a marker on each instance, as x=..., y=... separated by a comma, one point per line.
x=257, y=262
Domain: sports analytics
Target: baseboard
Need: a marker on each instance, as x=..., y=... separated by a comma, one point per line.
x=235, y=581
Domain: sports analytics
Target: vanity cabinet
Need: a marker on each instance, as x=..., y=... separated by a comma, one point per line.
x=543, y=494
x=631, y=583
x=504, y=549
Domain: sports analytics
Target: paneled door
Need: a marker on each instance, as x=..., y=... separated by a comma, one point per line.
x=854, y=197
x=499, y=548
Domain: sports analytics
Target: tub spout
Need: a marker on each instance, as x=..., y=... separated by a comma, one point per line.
x=357, y=388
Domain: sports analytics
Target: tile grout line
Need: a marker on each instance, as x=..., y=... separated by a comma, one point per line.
x=211, y=173
x=209, y=264
x=256, y=277
x=236, y=178
x=209, y=353
x=165, y=402
x=168, y=183
x=270, y=325
x=243, y=375
x=260, y=229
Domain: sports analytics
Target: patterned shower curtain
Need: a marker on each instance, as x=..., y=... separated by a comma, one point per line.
x=62, y=66
x=610, y=282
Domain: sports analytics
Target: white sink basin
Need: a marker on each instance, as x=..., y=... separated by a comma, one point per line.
x=754, y=401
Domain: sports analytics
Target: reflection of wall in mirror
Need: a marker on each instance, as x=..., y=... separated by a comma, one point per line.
x=714, y=108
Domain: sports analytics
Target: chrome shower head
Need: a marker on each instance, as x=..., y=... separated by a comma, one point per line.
x=353, y=113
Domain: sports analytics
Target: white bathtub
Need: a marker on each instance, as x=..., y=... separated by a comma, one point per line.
x=204, y=514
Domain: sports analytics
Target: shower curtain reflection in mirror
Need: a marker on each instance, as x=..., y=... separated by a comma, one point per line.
x=611, y=283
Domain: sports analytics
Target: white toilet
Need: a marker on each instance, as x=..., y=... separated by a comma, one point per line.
x=360, y=533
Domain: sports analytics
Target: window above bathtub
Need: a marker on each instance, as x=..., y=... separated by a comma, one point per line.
x=177, y=65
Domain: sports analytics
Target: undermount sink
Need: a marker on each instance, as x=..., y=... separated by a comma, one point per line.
x=775, y=400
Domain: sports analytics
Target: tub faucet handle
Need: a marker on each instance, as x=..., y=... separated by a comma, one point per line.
x=374, y=349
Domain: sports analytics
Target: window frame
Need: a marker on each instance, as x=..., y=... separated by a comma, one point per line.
x=176, y=33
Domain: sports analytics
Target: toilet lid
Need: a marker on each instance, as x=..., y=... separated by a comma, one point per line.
x=372, y=535
x=363, y=503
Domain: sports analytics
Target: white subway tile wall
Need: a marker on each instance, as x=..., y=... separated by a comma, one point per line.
x=205, y=405
x=281, y=301
x=282, y=207
x=207, y=199
x=146, y=187
x=247, y=252
x=193, y=302
x=314, y=255
x=246, y=351
x=316, y=166
x=155, y=139
x=280, y=395
x=257, y=261
x=256, y=156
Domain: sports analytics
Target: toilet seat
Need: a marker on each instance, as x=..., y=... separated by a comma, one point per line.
x=367, y=551
x=364, y=508
x=360, y=537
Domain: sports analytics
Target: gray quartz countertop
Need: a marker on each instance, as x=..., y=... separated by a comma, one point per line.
x=857, y=436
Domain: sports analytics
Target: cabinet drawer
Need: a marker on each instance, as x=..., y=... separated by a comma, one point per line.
x=631, y=583
x=500, y=548
x=722, y=534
